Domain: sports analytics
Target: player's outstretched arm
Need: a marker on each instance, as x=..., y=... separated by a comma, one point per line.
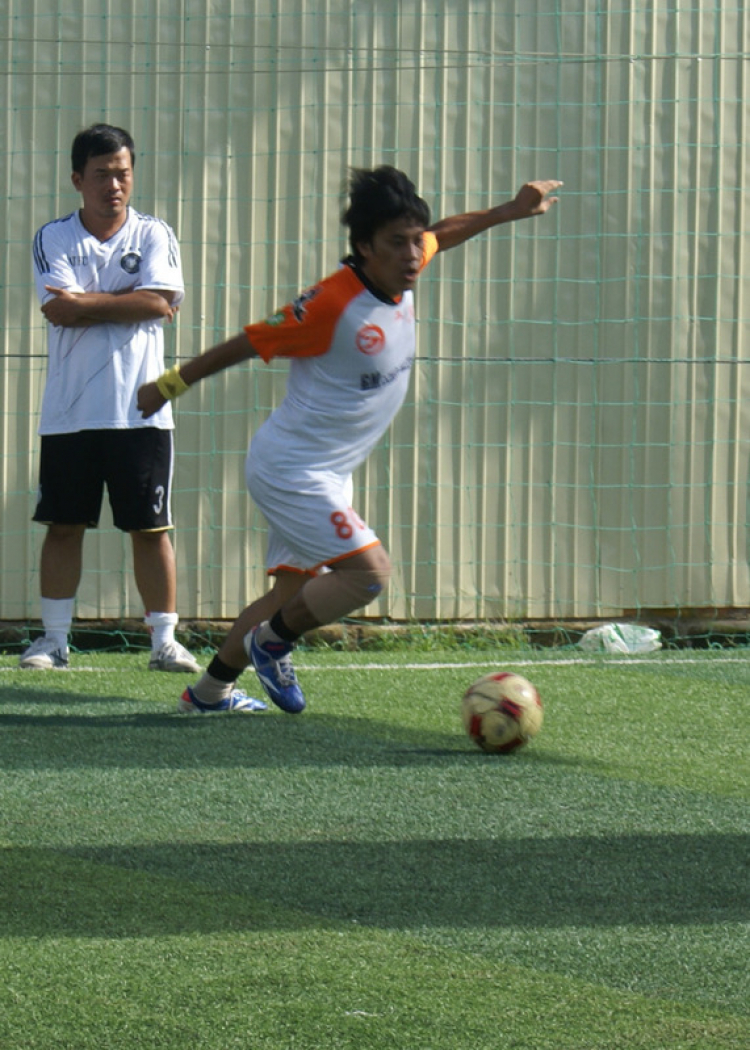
x=532, y=199
x=176, y=380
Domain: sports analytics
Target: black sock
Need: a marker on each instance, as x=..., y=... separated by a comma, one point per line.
x=223, y=672
x=279, y=628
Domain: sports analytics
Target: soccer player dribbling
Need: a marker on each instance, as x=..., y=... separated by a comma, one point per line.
x=351, y=341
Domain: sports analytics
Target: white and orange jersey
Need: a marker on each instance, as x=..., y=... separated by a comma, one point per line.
x=351, y=354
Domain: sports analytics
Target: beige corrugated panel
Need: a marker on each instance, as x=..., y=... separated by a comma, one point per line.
x=576, y=440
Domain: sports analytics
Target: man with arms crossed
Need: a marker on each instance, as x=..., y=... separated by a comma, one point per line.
x=351, y=341
x=107, y=278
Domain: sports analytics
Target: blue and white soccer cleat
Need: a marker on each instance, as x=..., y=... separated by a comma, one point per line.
x=273, y=666
x=236, y=703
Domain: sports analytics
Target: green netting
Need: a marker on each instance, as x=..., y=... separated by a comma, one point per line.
x=574, y=448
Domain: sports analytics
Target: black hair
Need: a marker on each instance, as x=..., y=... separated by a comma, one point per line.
x=377, y=197
x=97, y=141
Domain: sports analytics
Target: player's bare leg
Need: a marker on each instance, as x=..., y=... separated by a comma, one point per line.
x=154, y=569
x=352, y=583
x=215, y=690
x=61, y=561
x=285, y=587
x=156, y=580
x=59, y=576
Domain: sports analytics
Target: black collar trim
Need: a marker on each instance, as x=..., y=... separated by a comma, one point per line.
x=352, y=263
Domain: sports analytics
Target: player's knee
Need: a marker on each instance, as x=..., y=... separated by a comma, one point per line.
x=341, y=592
x=365, y=585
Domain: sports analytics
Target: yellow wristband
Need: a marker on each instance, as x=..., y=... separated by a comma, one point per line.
x=171, y=384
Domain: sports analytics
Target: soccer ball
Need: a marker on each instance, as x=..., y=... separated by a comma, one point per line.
x=501, y=712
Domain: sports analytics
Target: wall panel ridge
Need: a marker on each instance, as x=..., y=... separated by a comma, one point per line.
x=574, y=443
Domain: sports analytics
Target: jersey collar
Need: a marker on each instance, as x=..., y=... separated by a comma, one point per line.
x=352, y=263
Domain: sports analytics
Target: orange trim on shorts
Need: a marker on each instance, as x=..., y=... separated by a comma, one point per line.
x=314, y=571
x=290, y=568
x=349, y=554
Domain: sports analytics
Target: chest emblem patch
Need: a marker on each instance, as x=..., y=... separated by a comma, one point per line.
x=370, y=339
x=131, y=262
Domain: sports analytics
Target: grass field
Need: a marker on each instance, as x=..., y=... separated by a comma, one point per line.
x=361, y=876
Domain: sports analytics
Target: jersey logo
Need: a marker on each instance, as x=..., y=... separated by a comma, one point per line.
x=370, y=339
x=299, y=306
x=377, y=380
x=131, y=262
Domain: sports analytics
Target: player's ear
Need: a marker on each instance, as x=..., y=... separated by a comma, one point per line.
x=76, y=178
x=364, y=249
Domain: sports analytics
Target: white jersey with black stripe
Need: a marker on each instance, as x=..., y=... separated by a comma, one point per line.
x=93, y=373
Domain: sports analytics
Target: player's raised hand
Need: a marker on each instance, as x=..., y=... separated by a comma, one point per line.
x=534, y=197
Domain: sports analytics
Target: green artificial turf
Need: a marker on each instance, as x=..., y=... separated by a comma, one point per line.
x=361, y=876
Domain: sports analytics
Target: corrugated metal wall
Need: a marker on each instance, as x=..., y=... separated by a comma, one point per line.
x=576, y=444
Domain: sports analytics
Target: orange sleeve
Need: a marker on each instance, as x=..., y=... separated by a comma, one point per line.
x=305, y=327
x=431, y=248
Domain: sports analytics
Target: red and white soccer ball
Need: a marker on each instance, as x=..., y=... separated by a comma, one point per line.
x=501, y=712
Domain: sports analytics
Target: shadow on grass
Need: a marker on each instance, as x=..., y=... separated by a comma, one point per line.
x=551, y=882
x=260, y=741
x=53, y=738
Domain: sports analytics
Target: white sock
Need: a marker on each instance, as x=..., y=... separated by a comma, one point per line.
x=161, y=626
x=57, y=616
x=266, y=633
x=210, y=690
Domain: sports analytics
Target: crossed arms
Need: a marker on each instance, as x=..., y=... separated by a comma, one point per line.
x=68, y=309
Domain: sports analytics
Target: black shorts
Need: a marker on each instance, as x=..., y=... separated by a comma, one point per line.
x=134, y=465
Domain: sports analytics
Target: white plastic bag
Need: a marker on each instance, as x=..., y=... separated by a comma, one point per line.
x=621, y=638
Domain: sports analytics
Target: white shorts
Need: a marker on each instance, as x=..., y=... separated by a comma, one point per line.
x=311, y=523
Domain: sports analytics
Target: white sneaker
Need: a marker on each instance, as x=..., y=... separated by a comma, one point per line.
x=43, y=655
x=173, y=657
